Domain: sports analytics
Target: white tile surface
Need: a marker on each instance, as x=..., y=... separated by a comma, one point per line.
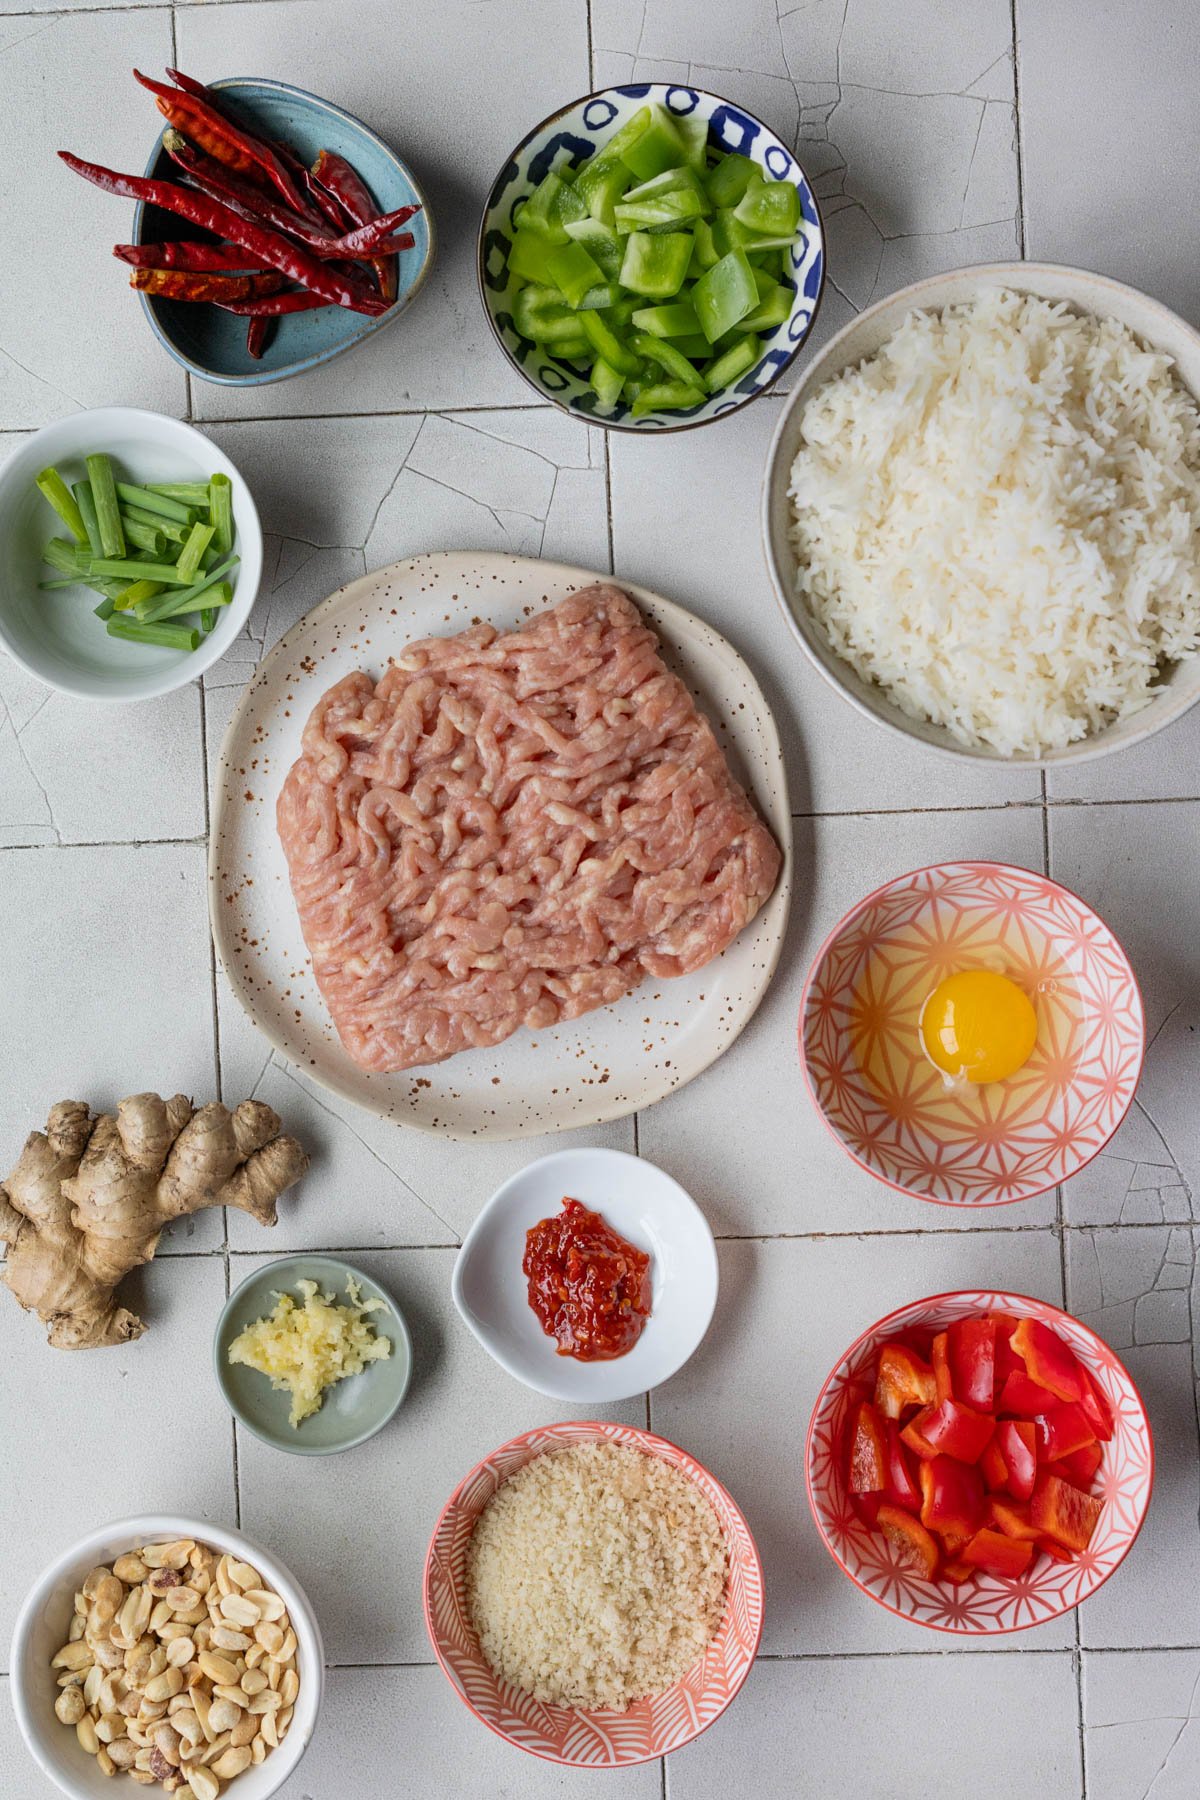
x=904, y=1729
x=97, y=1426
x=1141, y=1724
x=426, y=438
x=82, y=341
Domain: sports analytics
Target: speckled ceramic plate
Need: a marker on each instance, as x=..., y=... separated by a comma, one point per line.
x=607, y=1064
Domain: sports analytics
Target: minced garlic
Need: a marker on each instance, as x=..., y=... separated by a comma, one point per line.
x=306, y=1348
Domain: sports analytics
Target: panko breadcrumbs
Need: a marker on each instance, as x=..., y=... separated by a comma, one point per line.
x=596, y=1576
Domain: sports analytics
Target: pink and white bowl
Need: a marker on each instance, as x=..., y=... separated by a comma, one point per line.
x=590, y=1738
x=989, y=1604
x=884, y=1101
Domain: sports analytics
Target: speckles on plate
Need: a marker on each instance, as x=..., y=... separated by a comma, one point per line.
x=633, y=1053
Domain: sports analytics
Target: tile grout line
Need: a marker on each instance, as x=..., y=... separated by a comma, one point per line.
x=1017, y=121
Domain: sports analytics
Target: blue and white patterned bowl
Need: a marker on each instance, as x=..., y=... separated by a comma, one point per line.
x=565, y=140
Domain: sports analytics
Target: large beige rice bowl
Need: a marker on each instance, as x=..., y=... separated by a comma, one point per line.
x=1097, y=296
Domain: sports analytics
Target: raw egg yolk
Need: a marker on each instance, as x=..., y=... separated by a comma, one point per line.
x=978, y=1025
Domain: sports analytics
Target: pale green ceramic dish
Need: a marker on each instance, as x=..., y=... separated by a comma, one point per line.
x=353, y=1410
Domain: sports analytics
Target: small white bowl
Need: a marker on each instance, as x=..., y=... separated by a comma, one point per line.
x=1079, y=289
x=641, y=1203
x=41, y=1630
x=56, y=636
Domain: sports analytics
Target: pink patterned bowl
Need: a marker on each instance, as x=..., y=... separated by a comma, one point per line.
x=596, y=1739
x=989, y=1604
x=883, y=1099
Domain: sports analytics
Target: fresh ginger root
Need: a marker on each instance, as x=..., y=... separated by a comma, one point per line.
x=89, y=1197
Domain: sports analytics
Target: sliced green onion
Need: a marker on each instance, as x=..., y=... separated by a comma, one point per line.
x=82, y=491
x=198, y=541
x=171, y=637
x=55, y=490
x=220, y=513
x=104, y=493
x=152, y=502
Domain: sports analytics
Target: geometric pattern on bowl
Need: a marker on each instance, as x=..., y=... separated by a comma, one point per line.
x=568, y=138
x=597, y=1738
x=883, y=1099
x=989, y=1603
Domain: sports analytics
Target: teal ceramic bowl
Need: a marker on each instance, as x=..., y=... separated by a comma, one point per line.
x=353, y=1410
x=211, y=343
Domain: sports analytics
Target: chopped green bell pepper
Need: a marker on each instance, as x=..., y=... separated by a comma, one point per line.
x=669, y=210
x=540, y=314
x=656, y=266
x=774, y=308
x=530, y=256
x=600, y=184
x=627, y=136
x=693, y=132
x=607, y=344
x=725, y=294
x=667, y=396
x=601, y=243
x=704, y=251
x=676, y=320
x=549, y=208
x=573, y=270
x=725, y=369
x=658, y=350
x=656, y=148
x=728, y=181
x=606, y=382
x=770, y=209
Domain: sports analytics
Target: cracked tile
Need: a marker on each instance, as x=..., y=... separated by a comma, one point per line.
x=706, y=486
x=905, y=128
x=847, y=1727
x=512, y=65
x=1088, y=82
x=108, y=994
x=53, y=70
x=787, y=1310
x=356, y=1528
x=1141, y=1724
x=1140, y=1290
x=74, y=773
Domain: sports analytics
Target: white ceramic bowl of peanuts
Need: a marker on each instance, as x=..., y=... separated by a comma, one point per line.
x=167, y=1719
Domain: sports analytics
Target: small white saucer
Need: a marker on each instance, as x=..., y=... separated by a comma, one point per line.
x=641, y=1203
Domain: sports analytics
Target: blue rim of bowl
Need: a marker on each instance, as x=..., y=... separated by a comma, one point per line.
x=265, y=377
x=633, y=88
x=361, y=1276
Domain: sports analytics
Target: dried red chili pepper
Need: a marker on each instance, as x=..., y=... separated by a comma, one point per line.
x=275, y=306
x=257, y=332
x=243, y=196
x=342, y=180
x=194, y=110
x=187, y=284
x=185, y=254
x=211, y=215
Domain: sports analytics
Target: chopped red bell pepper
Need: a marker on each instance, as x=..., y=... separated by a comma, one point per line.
x=971, y=1352
x=902, y=1488
x=867, y=1507
x=916, y=1551
x=940, y=1361
x=1012, y=1518
x=1048, y=1359
x=993, y=1467
x=958, y=1571
x=996, y=1554
x=1064, y=1512
x=951, y=1497
x=903, y=1380
x=1080, y=1467
x=1006, y=1357
x=1095, y=1404
x=1061, y=1431
x=1017, y=1442
x=868, y=1452
x=1049, y=1548
x=948, y=1429
x=1024, y=1396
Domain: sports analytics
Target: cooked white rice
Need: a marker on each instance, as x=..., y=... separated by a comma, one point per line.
x=595, y=1576
x=997, y=520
